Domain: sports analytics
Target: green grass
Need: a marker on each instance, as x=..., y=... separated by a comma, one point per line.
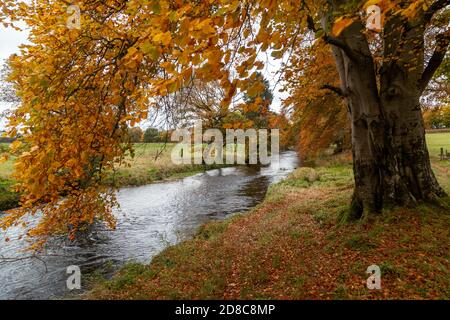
x=6, y=168
x=8, y=199
x=435, y=142
x=152, y=162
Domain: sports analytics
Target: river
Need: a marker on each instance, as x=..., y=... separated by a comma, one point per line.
x=150, y=218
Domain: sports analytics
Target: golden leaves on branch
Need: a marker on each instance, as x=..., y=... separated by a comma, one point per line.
x=81, y=89
x=340, y=24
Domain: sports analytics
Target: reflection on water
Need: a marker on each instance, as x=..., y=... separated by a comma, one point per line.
x=151, y=217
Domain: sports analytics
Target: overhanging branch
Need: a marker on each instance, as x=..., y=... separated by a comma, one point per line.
x=341, y=45
x=435, y=7
x=334, y=89
x=442, y=42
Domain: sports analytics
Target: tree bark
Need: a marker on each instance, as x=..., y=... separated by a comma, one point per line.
x=390, y=156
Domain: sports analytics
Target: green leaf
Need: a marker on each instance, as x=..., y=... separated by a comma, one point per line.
x=150, y=50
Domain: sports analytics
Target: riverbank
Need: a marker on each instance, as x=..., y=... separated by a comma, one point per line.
x=151, y=163
x=149, y=219
x=8, y=198
x=295, y=246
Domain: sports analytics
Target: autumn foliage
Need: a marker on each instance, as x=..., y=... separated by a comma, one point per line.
x=321, y=115
x=437, y=118
x=81, y=89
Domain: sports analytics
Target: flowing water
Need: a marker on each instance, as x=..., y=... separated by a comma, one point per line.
x=151, y=217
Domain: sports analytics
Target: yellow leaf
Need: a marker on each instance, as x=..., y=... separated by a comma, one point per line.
x=340, y=24
x=165, y=38
x=16, y=145
x=151, y=50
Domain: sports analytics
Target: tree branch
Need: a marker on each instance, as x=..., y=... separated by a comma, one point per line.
x=442, y=42
x=341, y=45
x=334, y=89
x=435, y=7
x=311, y=24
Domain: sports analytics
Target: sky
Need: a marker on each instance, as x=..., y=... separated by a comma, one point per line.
x=11, y=39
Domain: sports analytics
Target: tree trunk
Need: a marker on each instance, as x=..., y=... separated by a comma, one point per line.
x=399, y=172
x=390, y=157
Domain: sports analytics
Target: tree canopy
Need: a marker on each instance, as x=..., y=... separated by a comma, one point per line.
x=80, y=89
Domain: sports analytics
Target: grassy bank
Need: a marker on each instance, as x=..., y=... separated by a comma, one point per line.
x=8, y=198
x=295, y=246
x=152, y=162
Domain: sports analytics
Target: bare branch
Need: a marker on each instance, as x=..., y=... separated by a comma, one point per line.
x=311, y=24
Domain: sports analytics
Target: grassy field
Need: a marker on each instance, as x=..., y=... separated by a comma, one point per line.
x=295, y=246
x=435, y=142
x=6, y=168
x=152, y=162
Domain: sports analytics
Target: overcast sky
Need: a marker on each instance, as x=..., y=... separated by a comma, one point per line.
x=10, y=40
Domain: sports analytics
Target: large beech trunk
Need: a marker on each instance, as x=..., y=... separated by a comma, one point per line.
x=390, y=155
x=397, y=169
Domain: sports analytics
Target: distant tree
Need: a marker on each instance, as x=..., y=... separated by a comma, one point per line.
x=437, y=118
x=152, y=135
x=135, y=135
x=198, y=100
x=7, y=94
x=257, y=103
x=284, y=125
x=265, y=94
x=5, y=139
x=8, y=98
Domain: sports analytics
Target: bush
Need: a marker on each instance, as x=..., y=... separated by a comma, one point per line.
x=152, y=135
x=8, y=199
